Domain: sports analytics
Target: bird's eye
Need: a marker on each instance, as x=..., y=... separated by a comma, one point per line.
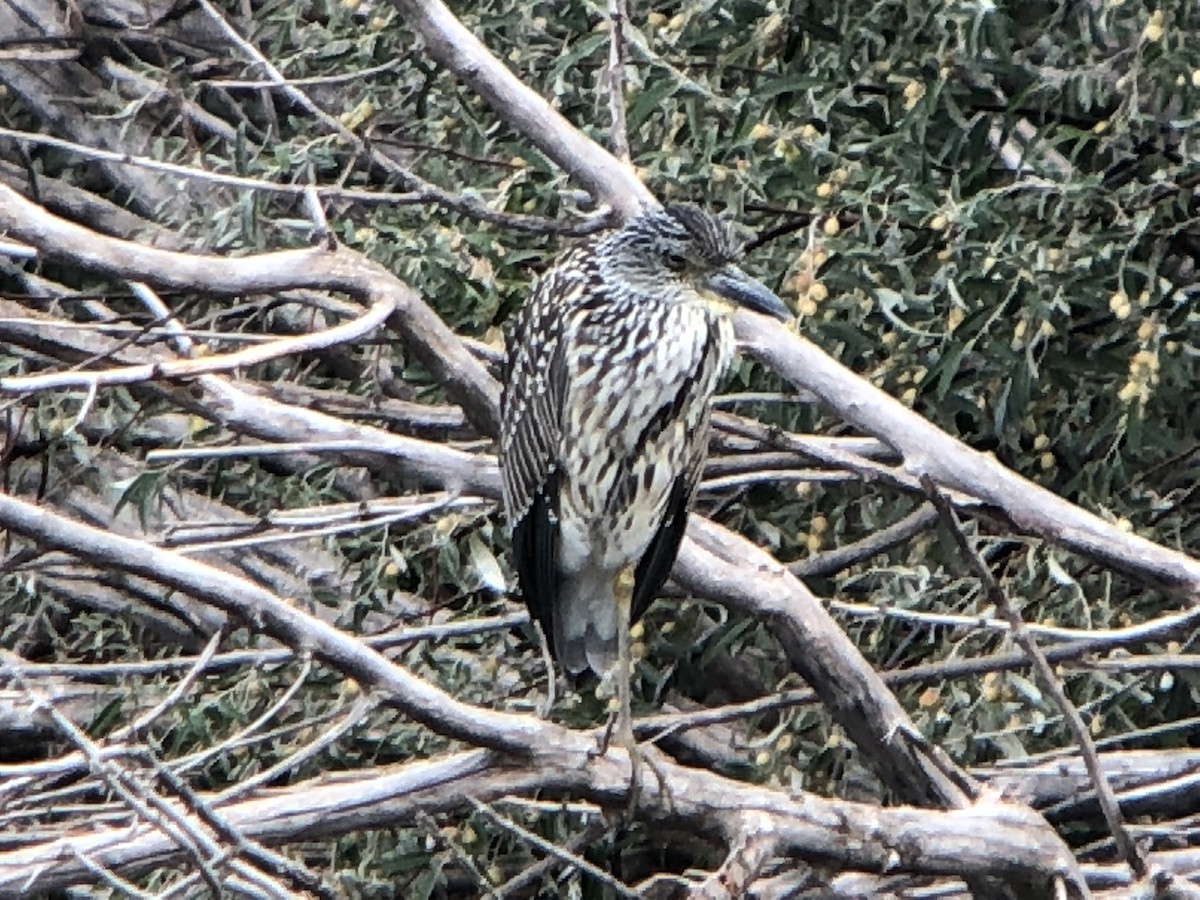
x=675, y=262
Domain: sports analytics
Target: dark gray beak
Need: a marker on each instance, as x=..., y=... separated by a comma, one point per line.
x=737, y=287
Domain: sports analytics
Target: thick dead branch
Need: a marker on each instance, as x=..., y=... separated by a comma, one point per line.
x=337, y=268
x=173, y=369
x=991, y=838
x=251, y=603
x=927, y=450
x=456, y=48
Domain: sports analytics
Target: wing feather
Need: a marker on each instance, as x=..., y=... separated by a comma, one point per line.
x=531, y=408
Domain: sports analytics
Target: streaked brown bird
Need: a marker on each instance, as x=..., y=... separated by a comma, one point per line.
x=610, y=370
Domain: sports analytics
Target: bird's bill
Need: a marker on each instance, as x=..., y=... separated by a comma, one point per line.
x=734, y=285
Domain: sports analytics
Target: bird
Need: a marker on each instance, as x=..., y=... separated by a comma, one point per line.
x=610, y=368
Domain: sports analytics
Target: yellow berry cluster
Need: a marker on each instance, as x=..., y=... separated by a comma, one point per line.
x=810, y=293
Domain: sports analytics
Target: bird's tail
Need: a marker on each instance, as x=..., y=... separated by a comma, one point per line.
x=585, y=623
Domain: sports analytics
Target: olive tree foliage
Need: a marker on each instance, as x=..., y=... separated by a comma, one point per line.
x=935, y=619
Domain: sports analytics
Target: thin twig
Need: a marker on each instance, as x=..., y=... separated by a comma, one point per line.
x=425, y=194
x=170, y=369
x=1047, y=681
x=552, y=849
x=618, y=16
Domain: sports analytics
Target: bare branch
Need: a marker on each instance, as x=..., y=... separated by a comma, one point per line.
x=225, y=362
x=618, y=17
x=996, y=837
x=338, y=268
x=926, y=449
x=1047, y=682
x=456, y=48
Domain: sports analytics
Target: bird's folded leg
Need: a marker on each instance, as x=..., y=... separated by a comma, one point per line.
x=622, y=726
x=551, y=672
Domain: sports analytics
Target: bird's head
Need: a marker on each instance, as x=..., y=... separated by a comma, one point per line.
x=684, y=247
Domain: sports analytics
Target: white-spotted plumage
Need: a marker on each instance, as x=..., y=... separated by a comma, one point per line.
x=610, y=370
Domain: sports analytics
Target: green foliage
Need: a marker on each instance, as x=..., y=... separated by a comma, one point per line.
x=984, y=208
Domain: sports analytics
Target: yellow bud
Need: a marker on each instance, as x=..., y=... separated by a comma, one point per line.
x=989, y=262
x=825, y=190
x=1147, y=330
x=931, y=696
x=1118, y=300
x=1047, y=461
x=818, y=524
x=831, y=227
x=1128, y=391
x=813, y=544
x=1100, y=127
x=806, y=307
x=637, y=631
x=913, y=92
x=1041, y=442
x=938, y=222
x=1196, y=78
x=809, y=132
x=762, y=759
x=784, y=744
x=954, y=318
x=761, y=131
x=909, y=397
x=990, y=687
x=817, y=292
x=656, y=19
x=841, y=174
x=785, y=150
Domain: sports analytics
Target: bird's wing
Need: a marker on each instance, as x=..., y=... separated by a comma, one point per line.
x=696, y=382
x=530, y=439
x=655, y=565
